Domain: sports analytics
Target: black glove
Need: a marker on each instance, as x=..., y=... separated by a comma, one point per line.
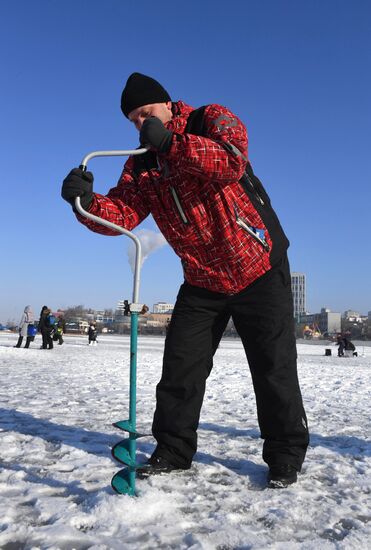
x=78, y=184
x=154, y=133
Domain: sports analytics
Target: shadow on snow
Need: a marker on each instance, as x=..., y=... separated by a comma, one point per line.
x=98, y=443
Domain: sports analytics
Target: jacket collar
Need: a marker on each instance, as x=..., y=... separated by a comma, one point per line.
x=181, y=112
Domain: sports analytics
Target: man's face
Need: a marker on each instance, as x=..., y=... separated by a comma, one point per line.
x=159, y=110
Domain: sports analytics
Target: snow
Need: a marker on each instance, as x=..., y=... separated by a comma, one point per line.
x=56, y=413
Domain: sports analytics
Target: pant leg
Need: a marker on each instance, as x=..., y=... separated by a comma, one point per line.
x=218, y=328
x=44, y=336
x=49, y=340
x=28, y=341
x=196, y=326
x=19, y=343
x=263, y=316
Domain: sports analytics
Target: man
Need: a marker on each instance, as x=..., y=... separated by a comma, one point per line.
x=202, y=193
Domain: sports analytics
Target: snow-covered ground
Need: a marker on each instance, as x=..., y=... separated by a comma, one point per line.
x=56, y=412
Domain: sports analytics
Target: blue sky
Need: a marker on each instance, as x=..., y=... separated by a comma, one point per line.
x=298, y=73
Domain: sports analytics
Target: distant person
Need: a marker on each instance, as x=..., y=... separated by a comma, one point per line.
x=27, y=319
x=60, y=329
x=46, y=327
x=126, y=308
x=349, y=347
x=199, y=186
x=92, y=334
x=341, y=345
x=41, y=319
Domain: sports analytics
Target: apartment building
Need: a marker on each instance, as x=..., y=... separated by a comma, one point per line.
x=299, y=293
x=163, y=307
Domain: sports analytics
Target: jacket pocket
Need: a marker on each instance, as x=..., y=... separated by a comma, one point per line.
x=256, y=233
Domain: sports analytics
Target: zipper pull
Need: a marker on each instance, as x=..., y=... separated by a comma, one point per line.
x=178, y=205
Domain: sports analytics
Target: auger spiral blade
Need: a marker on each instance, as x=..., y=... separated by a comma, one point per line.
x=127, y=426
x=121, y=452
x=123, y=482
x=124, y=425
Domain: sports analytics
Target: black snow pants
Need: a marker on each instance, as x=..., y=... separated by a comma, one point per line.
x=47, y=339
x=29, y=339
x=263, y=317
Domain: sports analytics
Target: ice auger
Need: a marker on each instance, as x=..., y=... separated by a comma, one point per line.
x=124, y=481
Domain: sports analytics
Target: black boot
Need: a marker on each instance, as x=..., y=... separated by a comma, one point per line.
x=281, y=475
x=19, y=343
x=156, y=465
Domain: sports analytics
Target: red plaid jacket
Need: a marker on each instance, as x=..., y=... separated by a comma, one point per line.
x=195, y=197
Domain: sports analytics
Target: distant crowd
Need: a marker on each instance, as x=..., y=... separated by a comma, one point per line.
x=50, y=327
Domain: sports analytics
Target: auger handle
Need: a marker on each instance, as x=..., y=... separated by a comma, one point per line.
x=114, y=153
x=106, y=223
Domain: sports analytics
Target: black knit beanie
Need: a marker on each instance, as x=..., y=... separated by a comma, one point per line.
x=141, y=90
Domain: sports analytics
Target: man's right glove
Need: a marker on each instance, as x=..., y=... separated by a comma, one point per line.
x=154, y=133
x=78, y=184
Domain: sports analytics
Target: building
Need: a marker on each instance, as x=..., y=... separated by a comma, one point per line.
x=328, y=322
x=298, y=292
x=121, y=306
x=351, y=315
x=163, y=307
x=77, y=325
x=158, y=319
x=102, y=317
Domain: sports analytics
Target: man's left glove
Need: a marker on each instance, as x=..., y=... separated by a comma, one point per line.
x=154, y=134
x=78, y=184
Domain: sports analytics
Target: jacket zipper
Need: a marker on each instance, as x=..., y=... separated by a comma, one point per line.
x=178, y=205
x=254, y=190
x=242, y=223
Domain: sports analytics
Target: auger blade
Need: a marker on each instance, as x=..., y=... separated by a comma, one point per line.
x=121, y=452
x=126, y=426
x=121, y=483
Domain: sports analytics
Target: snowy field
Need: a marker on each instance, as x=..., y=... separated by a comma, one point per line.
x=56, y=412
